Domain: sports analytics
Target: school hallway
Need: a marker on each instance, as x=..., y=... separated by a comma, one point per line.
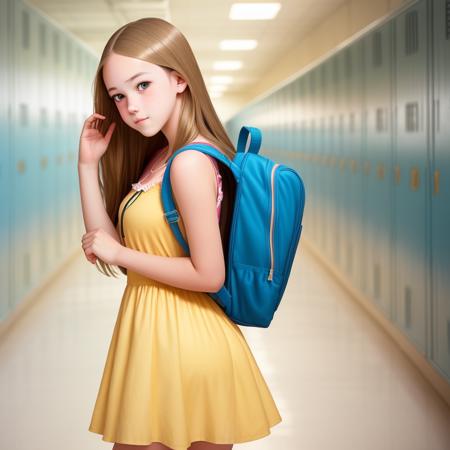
x=332, y=119
x=338, y=379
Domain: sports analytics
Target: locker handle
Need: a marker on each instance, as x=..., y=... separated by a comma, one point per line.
x=414, y=179
x=21, y=166
x=44, y=162
x=397, y=174
x=436, y=181
x=380, y=171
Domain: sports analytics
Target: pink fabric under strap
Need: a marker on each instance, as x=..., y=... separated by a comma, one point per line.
x=219, y=185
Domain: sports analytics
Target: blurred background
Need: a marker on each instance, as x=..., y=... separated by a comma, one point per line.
x=352, y=94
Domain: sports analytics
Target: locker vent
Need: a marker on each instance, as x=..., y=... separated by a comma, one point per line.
x=313, y=84
x=376, y=281
x=412, y=116
x=407, y=306
x=25, y=29
x=322, y=76
x=56, y=47
x=380, y=120
x=348, y=63
x=58, y=121
x=44, y=117
x=23, y=114
x=447, y=19
x=411, y=33
x=376, y=49
x=42, y=41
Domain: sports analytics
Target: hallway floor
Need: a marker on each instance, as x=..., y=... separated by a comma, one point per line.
x=339, y=381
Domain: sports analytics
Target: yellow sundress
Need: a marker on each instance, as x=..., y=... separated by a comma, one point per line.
x=178, y=369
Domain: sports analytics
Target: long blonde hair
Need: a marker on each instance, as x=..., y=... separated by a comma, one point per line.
x=159, y=42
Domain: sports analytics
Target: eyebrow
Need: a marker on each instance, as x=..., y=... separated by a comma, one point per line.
x=129, y=79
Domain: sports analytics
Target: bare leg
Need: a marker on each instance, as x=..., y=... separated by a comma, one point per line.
x=152, y=446
x=203, y=445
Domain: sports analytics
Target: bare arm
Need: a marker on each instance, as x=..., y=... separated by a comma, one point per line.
x=94, y=212
x=177, y=271
x=195, y=198
x=92, y=146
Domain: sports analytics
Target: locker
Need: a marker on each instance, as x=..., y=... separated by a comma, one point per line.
x=331, y=187
x=374, y=152
x=440, y=191
x=351, y=123
x=377, y=167
x=340, y=193
x=283, y=116
x=5, y=163
x=23, y=187
x=47, y=230
x=410, y=152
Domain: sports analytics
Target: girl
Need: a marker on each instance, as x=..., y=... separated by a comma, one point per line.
x=179, y=373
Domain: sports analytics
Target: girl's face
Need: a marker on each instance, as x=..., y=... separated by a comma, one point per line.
x=150, y=95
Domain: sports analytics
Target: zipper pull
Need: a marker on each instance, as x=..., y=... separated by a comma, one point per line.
x=270, y=277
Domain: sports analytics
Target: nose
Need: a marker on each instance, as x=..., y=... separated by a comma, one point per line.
x=132, y=109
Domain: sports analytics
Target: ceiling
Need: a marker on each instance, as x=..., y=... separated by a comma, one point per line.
x=204, y=23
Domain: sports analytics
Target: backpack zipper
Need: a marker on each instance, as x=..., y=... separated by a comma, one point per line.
x=270, y=277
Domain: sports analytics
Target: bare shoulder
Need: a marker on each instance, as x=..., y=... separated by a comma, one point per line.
x=193, y=162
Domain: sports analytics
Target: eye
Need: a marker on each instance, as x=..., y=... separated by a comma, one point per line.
x=142, y=82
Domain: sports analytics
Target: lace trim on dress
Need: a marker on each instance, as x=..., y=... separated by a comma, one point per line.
x=138, y=186
x=144, y=186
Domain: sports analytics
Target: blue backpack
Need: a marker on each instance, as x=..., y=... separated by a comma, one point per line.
x=264, y=234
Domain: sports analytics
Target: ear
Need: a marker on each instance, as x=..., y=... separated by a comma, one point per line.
x=181, y=83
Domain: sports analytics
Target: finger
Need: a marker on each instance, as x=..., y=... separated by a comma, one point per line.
x=90, y=254
x=90, y=121
x=94, y=116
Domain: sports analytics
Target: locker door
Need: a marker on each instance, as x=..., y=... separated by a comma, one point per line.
x=339, y=190
x=45, y=100
x=5, y=161
x=283, y=117
x=24, y=192
x=377, y=167
x=328, y=182
x=411, y=45
x=440, y=190
x=58, y=143
x=288, y=123
x=314, y=147
x=337, y=203
x=352, y=111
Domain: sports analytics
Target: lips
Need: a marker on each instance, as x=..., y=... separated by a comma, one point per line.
x=140, y=120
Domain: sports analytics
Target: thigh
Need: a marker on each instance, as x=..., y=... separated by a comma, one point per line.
x=203, y=445
x=152, y=446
